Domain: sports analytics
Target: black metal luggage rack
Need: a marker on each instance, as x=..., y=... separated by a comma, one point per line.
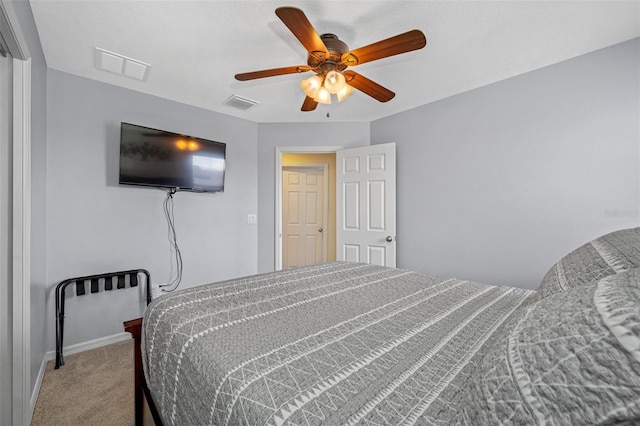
x=95, y=281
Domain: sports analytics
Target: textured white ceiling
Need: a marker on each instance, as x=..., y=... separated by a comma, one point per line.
x=196, y=47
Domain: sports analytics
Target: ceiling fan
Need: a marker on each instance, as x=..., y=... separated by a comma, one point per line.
x=329, y=58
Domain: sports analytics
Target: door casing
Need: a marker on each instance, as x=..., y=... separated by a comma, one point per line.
x=278, y=202
x=280, y=150
x=16, y=203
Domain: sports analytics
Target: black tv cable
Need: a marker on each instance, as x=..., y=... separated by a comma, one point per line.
x=173, y=283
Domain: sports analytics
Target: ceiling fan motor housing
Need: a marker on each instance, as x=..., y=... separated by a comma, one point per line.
x=331, y=60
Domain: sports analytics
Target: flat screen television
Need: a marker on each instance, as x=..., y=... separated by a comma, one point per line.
x=156, y=158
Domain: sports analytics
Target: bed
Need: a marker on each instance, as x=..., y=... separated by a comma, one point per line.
x=352, y=343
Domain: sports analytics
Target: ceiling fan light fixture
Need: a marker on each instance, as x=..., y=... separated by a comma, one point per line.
x=311, y=86
x=334, y=82
x=328, y=57
x=344, y=92
x=323, y=97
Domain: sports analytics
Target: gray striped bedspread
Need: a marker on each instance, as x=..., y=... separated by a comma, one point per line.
x=339, y=343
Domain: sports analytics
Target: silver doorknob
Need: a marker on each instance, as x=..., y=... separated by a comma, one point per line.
x=389, y=238
x=319, y=229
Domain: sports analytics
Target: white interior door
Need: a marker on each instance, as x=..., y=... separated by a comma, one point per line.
x=366, y=204
x=303, y=214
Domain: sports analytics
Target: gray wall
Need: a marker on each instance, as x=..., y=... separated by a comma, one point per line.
x=272, y=135
x=498, y=183
x=95, y=225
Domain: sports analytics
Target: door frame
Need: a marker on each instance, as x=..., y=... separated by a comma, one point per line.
x=20, y=207
x=21, y=267
x=280, y=151
x=325, y=208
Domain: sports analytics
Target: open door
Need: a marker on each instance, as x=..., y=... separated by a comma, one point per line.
x=366, y=204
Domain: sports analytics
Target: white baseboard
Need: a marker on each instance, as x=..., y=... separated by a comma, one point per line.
x=36, y=387
x=91, y=344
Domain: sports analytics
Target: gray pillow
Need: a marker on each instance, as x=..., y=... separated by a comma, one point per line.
x=610, y=254
x=572, y=358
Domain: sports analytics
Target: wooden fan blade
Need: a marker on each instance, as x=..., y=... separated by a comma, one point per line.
x=402, y=43
x=367, y=86
x=309, y=104
x=272, y=72
x=300, y=26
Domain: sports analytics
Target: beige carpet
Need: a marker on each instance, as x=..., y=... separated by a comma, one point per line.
x=93, y=388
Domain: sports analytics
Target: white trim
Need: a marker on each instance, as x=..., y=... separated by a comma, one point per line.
x=36, y=388
x=6, y=316
x=11, y=32
x=89, y=344
x=280, y=150
x=21, y=282
x=325, y=214
x=20, y=218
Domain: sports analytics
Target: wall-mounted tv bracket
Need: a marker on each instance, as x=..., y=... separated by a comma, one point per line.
x=96, y=282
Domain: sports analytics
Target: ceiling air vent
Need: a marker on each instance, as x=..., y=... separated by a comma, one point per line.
x=240, y=102
x=119, y=64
